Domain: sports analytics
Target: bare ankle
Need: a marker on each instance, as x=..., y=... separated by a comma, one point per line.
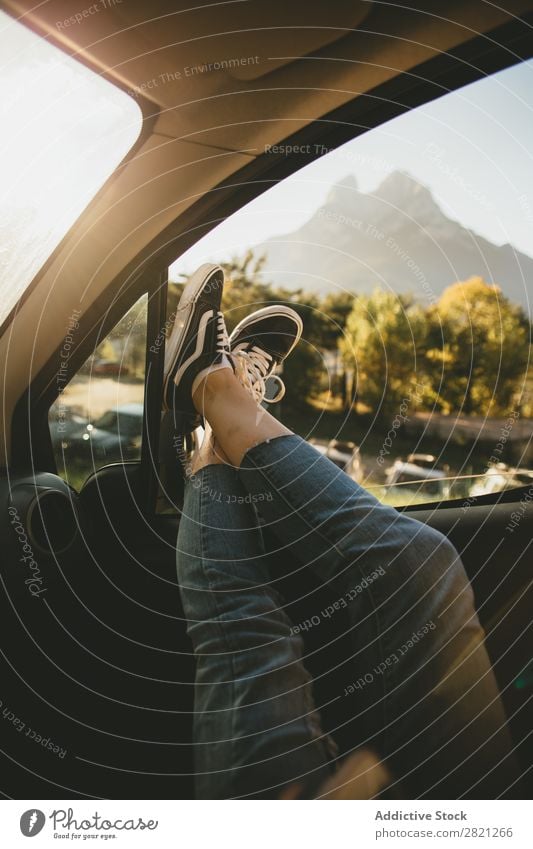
x=207, y=389
x=209, y=453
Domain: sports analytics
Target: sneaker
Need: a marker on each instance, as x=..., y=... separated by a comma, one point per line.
x=260, y=343
x=198, y=339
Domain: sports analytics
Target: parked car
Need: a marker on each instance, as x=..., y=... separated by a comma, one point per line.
x=115, y=435
x=429, y=483
x=425, y=461
x=66, y=427
x=109, y=368
x=344, y=453
x=499, y=477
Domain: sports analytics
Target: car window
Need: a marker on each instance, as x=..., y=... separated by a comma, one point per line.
x=408, y=254
x=98, y=417
x=64, y=130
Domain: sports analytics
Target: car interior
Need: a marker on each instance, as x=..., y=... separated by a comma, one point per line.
x=96, y=658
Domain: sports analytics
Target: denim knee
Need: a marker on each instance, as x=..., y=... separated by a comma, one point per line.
x=432, y=545
x=431, y=575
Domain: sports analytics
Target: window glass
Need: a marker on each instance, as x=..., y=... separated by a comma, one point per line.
x=408, y=254
x=98, y=417
x=64, y=130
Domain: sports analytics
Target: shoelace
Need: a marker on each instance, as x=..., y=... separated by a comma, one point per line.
x=251, y=368
x=222, y=346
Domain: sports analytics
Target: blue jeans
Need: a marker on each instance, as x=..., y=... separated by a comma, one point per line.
x=416, y=683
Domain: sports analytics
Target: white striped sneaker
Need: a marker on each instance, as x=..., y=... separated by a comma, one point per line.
x=198, y=339
x=260, y=343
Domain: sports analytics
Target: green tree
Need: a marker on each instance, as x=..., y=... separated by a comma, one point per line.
x=335, y=309
x=385, y=335
x=244, y=290
x=480, y=348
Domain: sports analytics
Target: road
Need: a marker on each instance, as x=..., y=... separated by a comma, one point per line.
x=92, y=396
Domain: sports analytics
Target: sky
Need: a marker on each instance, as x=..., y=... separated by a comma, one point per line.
x=473, y=148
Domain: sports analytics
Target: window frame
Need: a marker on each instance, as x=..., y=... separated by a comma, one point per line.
x=38, y=438
x=115, y=424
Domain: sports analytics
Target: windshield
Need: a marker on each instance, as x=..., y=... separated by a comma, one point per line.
x=64, y=130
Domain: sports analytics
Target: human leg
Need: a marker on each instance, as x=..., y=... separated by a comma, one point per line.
x=425, y=692
x=256, y=730
x=422, y=687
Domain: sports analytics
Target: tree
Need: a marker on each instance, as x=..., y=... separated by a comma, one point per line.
x=385, y=334
x=335, y=309
x=480, y=346
x=333, y=313
x=244, y=289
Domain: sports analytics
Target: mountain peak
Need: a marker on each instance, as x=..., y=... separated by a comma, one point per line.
x=399, y=184
x=397, y=234
x=400, y=191
x=344, y=188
